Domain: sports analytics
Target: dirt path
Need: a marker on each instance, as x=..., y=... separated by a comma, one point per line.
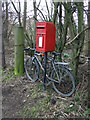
x=22, y=98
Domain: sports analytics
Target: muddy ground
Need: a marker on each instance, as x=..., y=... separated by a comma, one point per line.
x=22, y=98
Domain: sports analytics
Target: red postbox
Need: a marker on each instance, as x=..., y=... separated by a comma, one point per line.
x=46, y=33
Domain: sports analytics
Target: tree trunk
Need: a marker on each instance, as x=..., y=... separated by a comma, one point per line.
x=19, y=53
x=62, y=31
x=78, y=43
x=24, y=16
x=19, y=14
x=2, y=53
x=1, y=60
x=88, y=51
x=6, y=24
x=55, y=12
x=35, y=18
x=80, y=40
x=89, y=32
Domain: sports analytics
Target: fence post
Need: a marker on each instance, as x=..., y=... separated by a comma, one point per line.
x=19, y=53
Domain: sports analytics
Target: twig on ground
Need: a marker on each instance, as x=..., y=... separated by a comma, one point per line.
x=64, y=114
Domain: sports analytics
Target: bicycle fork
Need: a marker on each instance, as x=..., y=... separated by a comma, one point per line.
x=43, y=68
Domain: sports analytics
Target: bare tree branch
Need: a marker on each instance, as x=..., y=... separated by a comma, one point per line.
x=18, y=12
x=77, y=36
x=14, y=7
x=47, y=10
x=41, y=13
x=38, y=4
x=40, y=17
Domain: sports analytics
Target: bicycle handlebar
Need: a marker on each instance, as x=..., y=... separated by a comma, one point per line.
x=55, y=53
x=40, y=54
x=26, y=48
x=30, y=49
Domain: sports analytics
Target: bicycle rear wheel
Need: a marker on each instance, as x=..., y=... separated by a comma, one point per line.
x=63, y=83
x=31, y=69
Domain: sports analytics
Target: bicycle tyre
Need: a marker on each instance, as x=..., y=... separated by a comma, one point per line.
x=62, y=87
x=32, y=69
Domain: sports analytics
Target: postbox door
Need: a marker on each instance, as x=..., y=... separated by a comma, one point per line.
x=40, y=42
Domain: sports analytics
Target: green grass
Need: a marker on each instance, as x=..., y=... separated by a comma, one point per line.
x=35, y=111
x=8, y=75
x=42, y=106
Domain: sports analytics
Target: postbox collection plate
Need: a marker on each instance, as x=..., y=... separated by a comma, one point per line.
x=40, y=41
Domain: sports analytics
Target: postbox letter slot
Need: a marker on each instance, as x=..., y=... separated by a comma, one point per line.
x=40, y=27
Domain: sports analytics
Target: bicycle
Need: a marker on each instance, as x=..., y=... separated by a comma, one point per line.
x=59, y=75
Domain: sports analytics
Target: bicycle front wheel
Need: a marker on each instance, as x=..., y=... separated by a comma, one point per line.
x=31, y=69
x=63, y=81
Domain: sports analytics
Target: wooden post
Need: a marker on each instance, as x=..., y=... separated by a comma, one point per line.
x=19, y=53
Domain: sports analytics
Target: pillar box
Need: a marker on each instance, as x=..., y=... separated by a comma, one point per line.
x=46, y=33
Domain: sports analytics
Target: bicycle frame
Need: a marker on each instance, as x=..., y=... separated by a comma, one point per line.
x=35, y=57
x=53, y=65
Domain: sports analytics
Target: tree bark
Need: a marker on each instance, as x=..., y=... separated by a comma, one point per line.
x=1, y=60
x=78, y=43
x=88, y=51
x=2, y=53
x=6, y=25
x=89, y=32
x=62, y=31
x=55, y=12
x=1, y=36
x=35, y=18
x=25, y=14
